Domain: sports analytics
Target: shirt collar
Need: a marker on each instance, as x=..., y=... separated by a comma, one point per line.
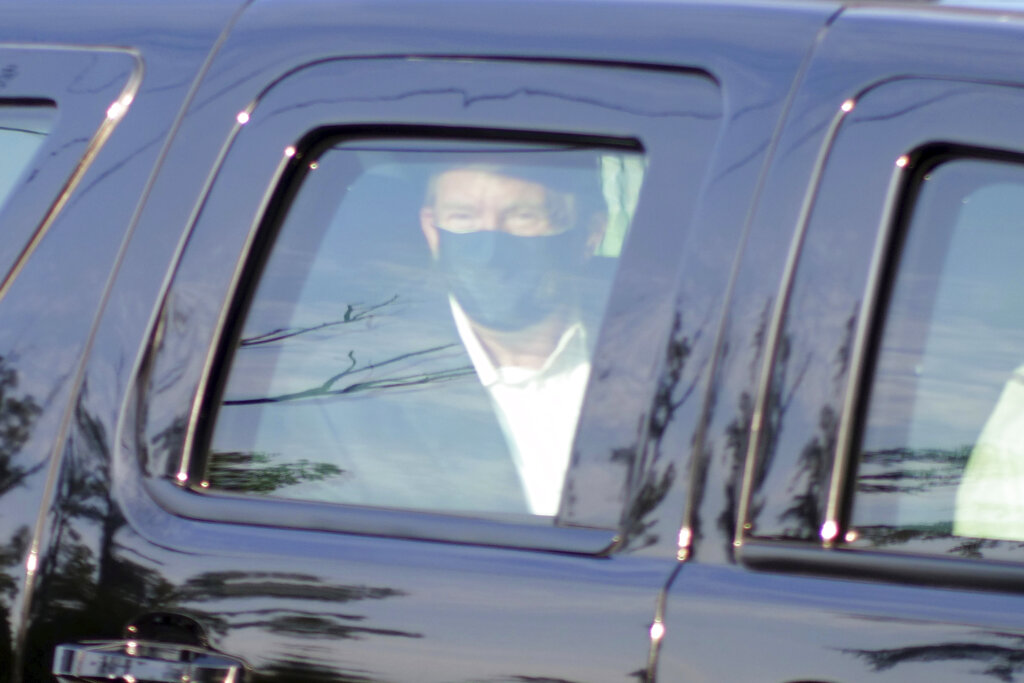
x=570, y=352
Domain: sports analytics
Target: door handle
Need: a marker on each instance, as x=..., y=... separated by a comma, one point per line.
x=138, y=661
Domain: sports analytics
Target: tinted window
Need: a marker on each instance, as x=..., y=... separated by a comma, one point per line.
x=22, y=130
x=421, y=332
x=942, y=458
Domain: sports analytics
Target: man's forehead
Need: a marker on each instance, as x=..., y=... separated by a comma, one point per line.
x=469, y=182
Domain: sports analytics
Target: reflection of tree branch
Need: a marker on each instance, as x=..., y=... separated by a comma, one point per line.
x=325, y=388
x=1003, y=662
x=271, y=611
x=688, y=391
x=240, y=584
x=351, y=315
x=785, y=402
x=323, y=626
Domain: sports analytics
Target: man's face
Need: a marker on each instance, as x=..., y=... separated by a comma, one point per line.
x=507, y=246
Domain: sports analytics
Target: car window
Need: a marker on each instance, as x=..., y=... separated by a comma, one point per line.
x=421, y=332
x=22, y=130
x=942, y=458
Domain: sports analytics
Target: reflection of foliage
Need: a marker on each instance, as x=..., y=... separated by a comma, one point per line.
x=669, y=397
x=1002, y=662
x=808, y=486
x=809, y=481
x=780, y=397
x=17, y=414
x=666, y=402
x=644, y=501
x=85, y=587
x=169, y=442
x=737, y=435
x=250, y=472
x=906, y=472
x=911, y=470
x=881, y=535
x=737, y=440
x=93, y=578
x=11, y=555
x=286, y=619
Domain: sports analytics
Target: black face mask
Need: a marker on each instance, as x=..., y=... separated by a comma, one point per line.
x=506, y=282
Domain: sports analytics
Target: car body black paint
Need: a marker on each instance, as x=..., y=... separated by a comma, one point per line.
x=109, y=317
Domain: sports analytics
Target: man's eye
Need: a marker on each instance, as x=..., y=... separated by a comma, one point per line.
x=458, y=218
x=527, y=216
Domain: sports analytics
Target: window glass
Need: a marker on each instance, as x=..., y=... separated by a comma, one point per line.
x=421, y=333
x=942, y=459
x=22, y=130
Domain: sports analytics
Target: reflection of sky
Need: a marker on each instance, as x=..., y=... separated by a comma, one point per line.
x=357, y=282
x=22, y=130
x=955, y=333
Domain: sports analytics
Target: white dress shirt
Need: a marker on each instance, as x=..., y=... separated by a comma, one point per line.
x=537, y=408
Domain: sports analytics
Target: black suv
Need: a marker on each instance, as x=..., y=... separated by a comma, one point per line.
x=511, y=341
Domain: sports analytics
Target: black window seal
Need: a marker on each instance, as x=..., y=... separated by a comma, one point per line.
x=789, y=557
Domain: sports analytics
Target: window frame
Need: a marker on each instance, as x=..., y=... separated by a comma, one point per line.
x=173, y=435
x=894, y=152
x=921, y=162
x=289, y=186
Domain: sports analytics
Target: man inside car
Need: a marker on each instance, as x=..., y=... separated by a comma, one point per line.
x=511, y=243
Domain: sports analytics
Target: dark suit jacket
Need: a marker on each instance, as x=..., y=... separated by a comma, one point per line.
x=406, y=419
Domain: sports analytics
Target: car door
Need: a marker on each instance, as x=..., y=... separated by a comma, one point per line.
x=304, y=182
x=82, y=122
x=438, y=561
x=46, y=155
x=862, y=467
